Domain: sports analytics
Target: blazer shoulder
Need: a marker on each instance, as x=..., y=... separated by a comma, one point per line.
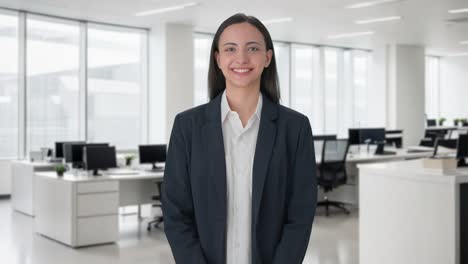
x=192, y=116
x=291, y=116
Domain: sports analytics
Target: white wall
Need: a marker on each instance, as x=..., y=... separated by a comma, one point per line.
x=179, y=72
x=406, y=93
x=157, y=85
x=171, y=79
x=453, y=88
x=377, y=87
x=5, y=177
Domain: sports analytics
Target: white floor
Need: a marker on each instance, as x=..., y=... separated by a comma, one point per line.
x=334, y=240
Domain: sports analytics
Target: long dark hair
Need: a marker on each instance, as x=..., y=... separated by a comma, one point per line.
x=269, y=84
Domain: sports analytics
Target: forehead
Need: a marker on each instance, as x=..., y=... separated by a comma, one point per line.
x=241, y=33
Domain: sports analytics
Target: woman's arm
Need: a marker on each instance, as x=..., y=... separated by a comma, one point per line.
x=302, y=200
x=177, y=204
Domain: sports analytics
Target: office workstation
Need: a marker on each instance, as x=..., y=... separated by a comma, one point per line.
x=94, y=93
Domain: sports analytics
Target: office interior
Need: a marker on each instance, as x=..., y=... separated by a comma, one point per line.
x=383, y=83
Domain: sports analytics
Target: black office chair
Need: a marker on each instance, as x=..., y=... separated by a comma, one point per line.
x=430, y=137
x=157, y=198
x=332, y=171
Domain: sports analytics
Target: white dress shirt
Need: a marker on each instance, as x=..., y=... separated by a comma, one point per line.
x=239, y=149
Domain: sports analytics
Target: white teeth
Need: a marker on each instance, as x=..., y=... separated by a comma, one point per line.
x=241, y=70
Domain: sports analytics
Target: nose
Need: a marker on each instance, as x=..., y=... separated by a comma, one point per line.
x=242, y=56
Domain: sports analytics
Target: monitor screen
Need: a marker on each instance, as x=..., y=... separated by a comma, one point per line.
x=372, y=135
x=462, y=147
x=99, y=157
x=152, y=153
x=353, y=136
x=59, y=149
x=73, y=152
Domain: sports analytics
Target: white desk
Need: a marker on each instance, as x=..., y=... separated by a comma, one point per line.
x=349, y=193
x=409, y=214
x=83, y=210
x=22, y=173
x=369, y=157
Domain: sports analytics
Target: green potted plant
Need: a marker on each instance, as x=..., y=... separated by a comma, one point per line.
x=441, y=121
x=60, y=169
x=128, y=159
x=456, y=121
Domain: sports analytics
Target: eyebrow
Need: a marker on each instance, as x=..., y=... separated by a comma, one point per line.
x=235, y=44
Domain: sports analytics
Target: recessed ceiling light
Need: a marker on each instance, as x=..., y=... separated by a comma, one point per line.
x=277, y=20
x=464, y=42
x=349, y=35
x=372, y=3
x=165, y=9
x=458, y=54
x=456, y=11
x=375, y=20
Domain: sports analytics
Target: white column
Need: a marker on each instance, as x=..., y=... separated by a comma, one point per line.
x=171, y=77
x=406, y=93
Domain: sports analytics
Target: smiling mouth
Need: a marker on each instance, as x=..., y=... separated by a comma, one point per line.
x=241, y=70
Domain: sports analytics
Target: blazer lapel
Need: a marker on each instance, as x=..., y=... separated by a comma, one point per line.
x=213, y=141
x=265, y=142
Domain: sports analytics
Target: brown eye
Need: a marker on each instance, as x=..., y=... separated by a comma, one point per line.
x=230, y=49
x=254, y=49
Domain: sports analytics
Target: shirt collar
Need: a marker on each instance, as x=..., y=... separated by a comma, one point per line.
x=225, y=109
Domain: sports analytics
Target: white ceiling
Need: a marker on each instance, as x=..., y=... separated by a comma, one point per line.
x=424, y=21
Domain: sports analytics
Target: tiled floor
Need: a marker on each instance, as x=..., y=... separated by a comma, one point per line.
x=334, y=240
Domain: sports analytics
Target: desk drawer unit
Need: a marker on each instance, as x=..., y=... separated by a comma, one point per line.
x=97, y=230
x=97, y=204
x=97, y=207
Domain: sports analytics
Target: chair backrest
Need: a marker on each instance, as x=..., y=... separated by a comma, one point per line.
x=318, y=147
x=332, y=169
x=335, y=150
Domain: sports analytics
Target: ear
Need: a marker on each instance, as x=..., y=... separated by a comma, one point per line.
x=269, y=55
x=216, y=54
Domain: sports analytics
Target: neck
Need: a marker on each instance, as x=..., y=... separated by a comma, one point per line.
x=243, y=101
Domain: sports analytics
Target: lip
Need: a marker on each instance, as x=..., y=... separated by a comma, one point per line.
x=241, y=71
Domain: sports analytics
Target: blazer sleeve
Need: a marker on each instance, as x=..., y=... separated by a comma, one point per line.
x=177, y=205
x=301, y=203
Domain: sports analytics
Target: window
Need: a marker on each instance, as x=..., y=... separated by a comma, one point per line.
x=53, y=107
x=8, y=85
x=115, y=98
x=282, y=65
x=306, y=95
x=202, y=46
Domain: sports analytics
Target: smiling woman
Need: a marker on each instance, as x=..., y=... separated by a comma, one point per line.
x=257, y=154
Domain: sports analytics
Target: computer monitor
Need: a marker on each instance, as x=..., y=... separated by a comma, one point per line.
x=462, y=150
x=354, y=136
x=357, y=136
x=59, y=153
x=152, y=154
x=99, y=158
x=446, y=143
x=431, y=122
x=73, y=152
x=372, y=135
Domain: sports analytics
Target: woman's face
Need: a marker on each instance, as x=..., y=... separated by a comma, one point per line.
x=242, y=56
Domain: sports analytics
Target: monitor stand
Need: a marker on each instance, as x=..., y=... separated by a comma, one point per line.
x=96, y=173
x=462, y=163
x=156, y=168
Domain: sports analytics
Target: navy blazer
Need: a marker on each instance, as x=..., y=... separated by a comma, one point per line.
x=284, y=188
